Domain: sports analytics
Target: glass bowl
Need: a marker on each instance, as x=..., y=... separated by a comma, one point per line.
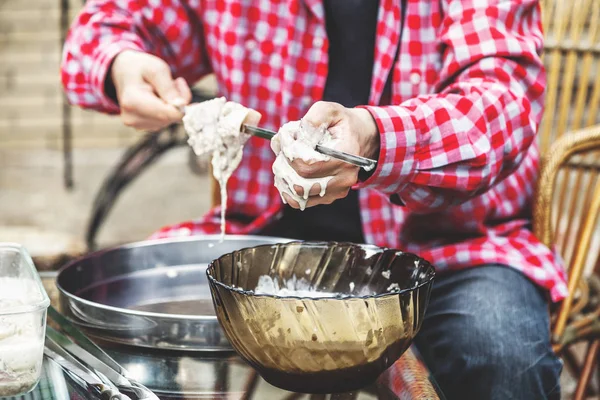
x=345, y=314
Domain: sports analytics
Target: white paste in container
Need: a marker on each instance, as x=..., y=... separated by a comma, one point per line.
x=21, y=336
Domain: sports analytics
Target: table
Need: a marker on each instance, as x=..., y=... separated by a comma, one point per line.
x=188, y=375
x=182, y=376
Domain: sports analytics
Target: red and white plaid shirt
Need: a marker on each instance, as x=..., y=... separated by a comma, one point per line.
x=458, y=159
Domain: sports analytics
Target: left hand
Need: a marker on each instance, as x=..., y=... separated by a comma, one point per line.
x=357, y=133
x=148, y=95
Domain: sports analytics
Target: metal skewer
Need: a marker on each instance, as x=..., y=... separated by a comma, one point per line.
x=366, y=163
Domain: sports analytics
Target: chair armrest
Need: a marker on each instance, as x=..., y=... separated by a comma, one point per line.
x=571, y=143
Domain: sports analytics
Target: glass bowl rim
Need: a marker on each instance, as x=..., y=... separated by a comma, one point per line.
x=429, y=270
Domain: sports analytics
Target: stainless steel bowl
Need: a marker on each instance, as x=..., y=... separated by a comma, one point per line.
x=150, y=294
x=321, y=344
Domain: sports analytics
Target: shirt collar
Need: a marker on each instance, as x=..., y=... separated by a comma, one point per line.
x=316, y=8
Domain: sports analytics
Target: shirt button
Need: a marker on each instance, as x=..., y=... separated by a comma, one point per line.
x=250, y=44
x=415, y=78
x=318, y=42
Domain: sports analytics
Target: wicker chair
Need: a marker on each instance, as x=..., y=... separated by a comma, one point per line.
x=567, y=203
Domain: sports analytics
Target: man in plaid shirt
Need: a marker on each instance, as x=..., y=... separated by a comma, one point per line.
x=447, y=95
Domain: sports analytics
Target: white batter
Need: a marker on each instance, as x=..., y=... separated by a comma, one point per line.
x=213, y=127
x=292, y=287
x=21, y=336
x=301, y=288
x=298, y=140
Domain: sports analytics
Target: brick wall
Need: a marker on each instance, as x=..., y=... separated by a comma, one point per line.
x=30, y=91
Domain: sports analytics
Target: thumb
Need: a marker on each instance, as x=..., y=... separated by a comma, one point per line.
x=185, y=93
x=323, y=113
x=158, y=75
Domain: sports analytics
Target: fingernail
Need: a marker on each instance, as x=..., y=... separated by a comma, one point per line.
x=178, y=102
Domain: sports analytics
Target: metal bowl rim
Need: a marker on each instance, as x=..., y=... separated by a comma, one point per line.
x=429, y=269
x=146, y=243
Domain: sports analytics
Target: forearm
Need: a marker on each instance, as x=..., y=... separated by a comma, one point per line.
x=442, y=149
x=105, y=28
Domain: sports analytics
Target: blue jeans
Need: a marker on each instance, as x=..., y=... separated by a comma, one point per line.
x=486, y=336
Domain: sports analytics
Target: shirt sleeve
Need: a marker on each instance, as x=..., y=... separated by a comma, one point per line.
x=442, y=149
x=170, y=30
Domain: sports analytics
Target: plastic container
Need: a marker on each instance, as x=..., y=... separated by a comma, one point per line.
x=23, y=307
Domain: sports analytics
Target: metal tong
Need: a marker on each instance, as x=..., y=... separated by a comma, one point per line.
x=94, y=358
x=80, y=373
x=366, y=163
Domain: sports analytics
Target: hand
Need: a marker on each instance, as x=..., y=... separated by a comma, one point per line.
x=148, y=95
x=357, y=134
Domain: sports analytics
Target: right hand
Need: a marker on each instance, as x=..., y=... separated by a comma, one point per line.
x=148, y=95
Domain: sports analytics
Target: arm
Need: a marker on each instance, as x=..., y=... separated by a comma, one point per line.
x=106, y=28
x=442, y=149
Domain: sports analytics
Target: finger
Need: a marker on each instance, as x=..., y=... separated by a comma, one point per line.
x=158, y=75
x=141, y=103
x=253, y=117
x=343, y=181
x=316, y=200
x=315, y=190
x=142, y=124
x=324, y=113
x=327, y=199
x=184, y=92
x=291, y=202
x=337, y=187
x=319, y=169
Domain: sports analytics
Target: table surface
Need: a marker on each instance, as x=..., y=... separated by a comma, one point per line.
x=183, y=376
x=193, y=375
